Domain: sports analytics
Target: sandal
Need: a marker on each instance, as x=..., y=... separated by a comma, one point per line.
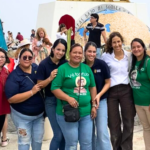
x=4, y=143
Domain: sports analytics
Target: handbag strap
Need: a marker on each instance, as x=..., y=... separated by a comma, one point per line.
x=79, y=86
x=34, y=84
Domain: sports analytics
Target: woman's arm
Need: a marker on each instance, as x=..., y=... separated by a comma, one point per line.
x=18, y=98
x=93, y=93
x=104, y=89
x=47, y=81
x=63, y=96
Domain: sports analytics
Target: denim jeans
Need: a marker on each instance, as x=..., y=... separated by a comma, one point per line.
x=98, y=53
x=101, y=139
x=77, y=131
x=58, y=140
x=30, y=130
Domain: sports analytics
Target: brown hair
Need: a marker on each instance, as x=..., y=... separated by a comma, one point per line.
x=47, y=42
x=19, y=50
x=61, y=26
x=37, y=33
x=109, y=48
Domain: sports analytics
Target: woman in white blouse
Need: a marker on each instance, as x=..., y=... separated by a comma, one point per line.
x=62, y=32
x=120, y=94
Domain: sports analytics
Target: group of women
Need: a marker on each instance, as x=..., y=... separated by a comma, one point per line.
x=100, y=90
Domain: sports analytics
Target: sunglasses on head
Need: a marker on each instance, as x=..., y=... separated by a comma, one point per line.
x=27, y=57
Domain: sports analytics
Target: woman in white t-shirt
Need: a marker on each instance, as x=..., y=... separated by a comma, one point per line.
x=62, y=32
x=120, y=94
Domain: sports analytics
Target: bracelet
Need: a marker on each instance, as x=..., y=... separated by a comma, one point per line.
x=31, y=93
x=94, y=105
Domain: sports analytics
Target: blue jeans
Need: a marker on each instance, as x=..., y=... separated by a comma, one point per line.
x=30, y=130
x=58, y=140
x=101, y=139
x=98, y=53
x=74, y=131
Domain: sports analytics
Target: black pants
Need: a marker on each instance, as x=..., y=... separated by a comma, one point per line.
x=2, y=120
x=72, y=42
x=121, y=139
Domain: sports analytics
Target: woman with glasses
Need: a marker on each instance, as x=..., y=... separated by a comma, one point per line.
x=4, y=105
x=26, y=101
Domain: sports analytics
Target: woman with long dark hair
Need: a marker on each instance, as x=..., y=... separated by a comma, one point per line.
x=4, y=105
x=140, y=82
x=120, y=94
x=47, y=71
x=101, y=140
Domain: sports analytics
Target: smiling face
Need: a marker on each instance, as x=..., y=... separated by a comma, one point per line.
x=137, y=49
x=76, y=55
x=26, y=59
x=117, y=44
x=90, y=53
x=59, y=51
x=2, y=59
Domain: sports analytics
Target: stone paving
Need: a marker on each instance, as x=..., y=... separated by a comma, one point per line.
x=138, y=143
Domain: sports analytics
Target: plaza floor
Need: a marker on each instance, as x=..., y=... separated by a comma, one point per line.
x=138, y=143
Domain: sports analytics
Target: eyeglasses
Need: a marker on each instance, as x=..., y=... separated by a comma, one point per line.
x=27, y=57
x=2, y=57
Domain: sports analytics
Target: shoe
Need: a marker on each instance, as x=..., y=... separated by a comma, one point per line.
x=5, y=143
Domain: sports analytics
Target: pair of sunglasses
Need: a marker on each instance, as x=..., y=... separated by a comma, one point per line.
x=27, y=57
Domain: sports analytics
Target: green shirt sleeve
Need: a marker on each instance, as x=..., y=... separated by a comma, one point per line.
x=92, y=79
x=57, y=82
x=148, y=68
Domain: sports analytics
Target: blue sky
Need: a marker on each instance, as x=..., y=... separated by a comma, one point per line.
x=21, y=15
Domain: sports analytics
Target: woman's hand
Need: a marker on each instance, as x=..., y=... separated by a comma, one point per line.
x=72, y=102
x=53, y=74
x=97, y=99
x=36, y=88
x=37, y=48
x=93, y=112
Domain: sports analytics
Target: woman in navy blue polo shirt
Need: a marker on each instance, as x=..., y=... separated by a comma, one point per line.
x=102, y=78
x=26, y=101
x=47, y=71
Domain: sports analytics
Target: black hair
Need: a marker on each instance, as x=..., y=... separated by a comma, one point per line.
x=89, y=44
x=18, y=32
x=95, y=16
x=62, y=41
x=109, y=48
x=75, y=45
x=7, y=59
x=25, y=50
x=134, y=59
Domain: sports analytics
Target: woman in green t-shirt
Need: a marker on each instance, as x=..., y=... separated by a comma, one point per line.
x=140, y=82
x=77, y=90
